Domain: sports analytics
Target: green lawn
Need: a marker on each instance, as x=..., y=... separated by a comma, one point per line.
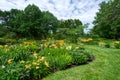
x=106, y=66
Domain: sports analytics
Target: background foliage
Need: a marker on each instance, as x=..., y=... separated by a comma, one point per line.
x=107, y=20
x=34, y=23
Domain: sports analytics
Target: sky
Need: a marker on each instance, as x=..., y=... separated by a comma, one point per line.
x=85, y=10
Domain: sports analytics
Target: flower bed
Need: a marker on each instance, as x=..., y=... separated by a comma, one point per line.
x=32, y=60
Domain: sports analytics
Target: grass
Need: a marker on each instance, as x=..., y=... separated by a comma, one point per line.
x=106, y=66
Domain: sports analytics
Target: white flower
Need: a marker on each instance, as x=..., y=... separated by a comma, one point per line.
x=77, y=48
x=3, y=66
x=69, y=47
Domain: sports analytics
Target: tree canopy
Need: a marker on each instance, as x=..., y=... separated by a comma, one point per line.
x=32, y=22
x=107, y=20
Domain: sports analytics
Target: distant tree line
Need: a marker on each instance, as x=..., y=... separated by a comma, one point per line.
x=32, y=22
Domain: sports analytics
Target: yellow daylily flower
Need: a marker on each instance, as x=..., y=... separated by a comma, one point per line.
x=28, y=66
x=10, y=61
x=37, y=67
x=22, y=61
x=35, y=55
x=46, y=63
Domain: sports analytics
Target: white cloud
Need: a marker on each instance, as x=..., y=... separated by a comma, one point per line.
x=63, y=9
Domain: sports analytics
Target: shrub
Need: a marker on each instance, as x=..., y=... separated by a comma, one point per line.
x=10, y=35
x=17, y=52
x=110, y=44
x=116, y=44
x=30, y=61
x=4, y=41
x=107, y=45
x=58, y=58
x=80, y=56
x=101, y=44
x=35, y=68
x=3, y=31
x=87, y=41
x=59, y=62
x=104, y=44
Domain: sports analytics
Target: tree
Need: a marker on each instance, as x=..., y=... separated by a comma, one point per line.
x=49, y=22
x=70, y=23
x=107, y=20
x=30, y=22
x=70, y=30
